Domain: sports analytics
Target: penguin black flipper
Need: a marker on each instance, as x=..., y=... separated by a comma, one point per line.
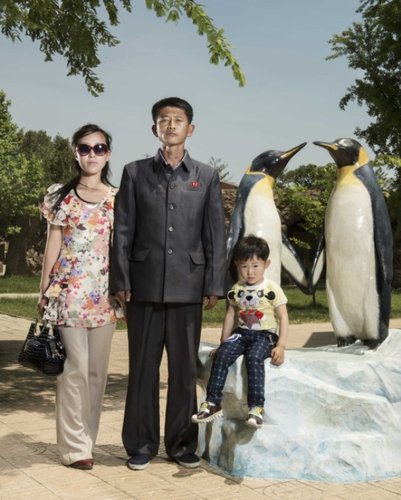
x=318, y=263
x=383, y=238
x=292, y=264
x=236, y=228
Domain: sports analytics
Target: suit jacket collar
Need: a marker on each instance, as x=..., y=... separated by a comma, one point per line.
x=186, y=164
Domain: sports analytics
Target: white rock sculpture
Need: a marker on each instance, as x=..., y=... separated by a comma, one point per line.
x=332, y=414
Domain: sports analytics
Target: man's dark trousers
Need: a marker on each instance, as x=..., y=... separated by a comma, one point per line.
x=152, y=326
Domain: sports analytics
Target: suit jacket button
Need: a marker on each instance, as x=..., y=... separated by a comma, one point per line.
x=171, y=229
x=171, y=206
x=170, y=251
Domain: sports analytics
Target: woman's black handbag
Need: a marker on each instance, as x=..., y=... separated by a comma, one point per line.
x=43, y=351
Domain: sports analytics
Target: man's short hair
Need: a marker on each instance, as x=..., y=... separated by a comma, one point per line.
x=251, y=246
x=174, y=102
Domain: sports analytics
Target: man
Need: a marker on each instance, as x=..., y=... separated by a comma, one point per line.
x=168, y=259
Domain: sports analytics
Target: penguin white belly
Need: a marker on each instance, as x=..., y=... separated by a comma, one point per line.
x=262, y=219
x=351, y=263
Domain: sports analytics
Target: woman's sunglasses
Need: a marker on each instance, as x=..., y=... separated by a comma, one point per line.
x=98, y=149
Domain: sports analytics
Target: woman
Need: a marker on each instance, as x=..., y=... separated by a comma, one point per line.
x=74, y=291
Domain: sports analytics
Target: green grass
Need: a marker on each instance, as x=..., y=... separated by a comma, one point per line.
x=214, y=317
x=25, y=307
x=19, y=284
x=300, y=306
x=22, y=307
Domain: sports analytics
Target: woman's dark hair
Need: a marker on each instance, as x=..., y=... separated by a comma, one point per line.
x=251, y=246
x=59, y=195
x=174, y=102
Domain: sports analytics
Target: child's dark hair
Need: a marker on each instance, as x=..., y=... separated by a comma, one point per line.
x=83, y=131
x=174, y=102
x=251, y=246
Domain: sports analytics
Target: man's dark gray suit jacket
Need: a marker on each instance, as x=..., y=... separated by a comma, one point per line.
x=169, y=241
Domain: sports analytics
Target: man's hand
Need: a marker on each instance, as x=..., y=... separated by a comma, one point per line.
x=278, y=355
x=123, y=296
x=209, y=301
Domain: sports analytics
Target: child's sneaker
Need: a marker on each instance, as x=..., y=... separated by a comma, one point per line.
x=207, y=412
x=255, y=417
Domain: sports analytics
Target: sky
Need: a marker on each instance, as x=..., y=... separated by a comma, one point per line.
x=291, y=96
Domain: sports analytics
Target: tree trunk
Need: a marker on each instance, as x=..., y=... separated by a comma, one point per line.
x=30, y=236
x=16, y=256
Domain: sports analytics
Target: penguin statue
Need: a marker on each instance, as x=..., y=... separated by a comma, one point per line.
x=255, y=213
x=356, y=248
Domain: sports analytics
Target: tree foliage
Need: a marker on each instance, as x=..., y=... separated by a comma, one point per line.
x=30, y=162
x=221, y=167
x=373, y=47
x=21, y=179
x=55, y=154
x=76, y=29
x=302, y=196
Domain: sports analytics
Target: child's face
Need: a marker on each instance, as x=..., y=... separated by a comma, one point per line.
x=252, y=270
x=172, y=127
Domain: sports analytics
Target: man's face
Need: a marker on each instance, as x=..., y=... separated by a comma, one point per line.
x=172, y=126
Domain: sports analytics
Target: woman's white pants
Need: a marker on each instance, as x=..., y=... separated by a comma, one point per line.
x=80, y=390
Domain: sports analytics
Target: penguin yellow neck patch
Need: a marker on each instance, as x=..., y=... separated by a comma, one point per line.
x=363, y=158
x=265, y=185
x=346, y=175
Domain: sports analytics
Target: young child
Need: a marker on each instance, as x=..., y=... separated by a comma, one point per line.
x=259, y=307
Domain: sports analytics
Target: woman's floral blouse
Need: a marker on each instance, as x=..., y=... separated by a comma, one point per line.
x=79, y=289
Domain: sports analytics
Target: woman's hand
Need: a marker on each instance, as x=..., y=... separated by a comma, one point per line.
x=42, y=303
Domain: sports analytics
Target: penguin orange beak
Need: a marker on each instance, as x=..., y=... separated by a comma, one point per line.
x=273, y=162
x=287, y=155
x=283, y=159
x=326, y=145
x=334, y=151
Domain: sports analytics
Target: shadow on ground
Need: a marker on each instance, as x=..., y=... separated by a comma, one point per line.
x=319, y=339
x=28, y=390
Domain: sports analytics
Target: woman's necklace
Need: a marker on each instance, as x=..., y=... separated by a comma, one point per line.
x=89, y=187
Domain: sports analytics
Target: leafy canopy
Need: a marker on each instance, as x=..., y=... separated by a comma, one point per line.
x=373, y=47
x=30, y=162
x=21, y=180
x=76, y=29
x=303, y=194
x=221, y=167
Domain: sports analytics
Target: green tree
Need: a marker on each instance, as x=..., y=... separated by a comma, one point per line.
x=221, y=167
x=21, y=187
x=30, y=162
x=302, y=196
x=55, y=154
x=373, y=47
x=75, y=29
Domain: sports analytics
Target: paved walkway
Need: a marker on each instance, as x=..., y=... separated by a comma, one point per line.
x=29, y=466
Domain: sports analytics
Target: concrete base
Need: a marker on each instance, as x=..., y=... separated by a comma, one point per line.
x=332, y=415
